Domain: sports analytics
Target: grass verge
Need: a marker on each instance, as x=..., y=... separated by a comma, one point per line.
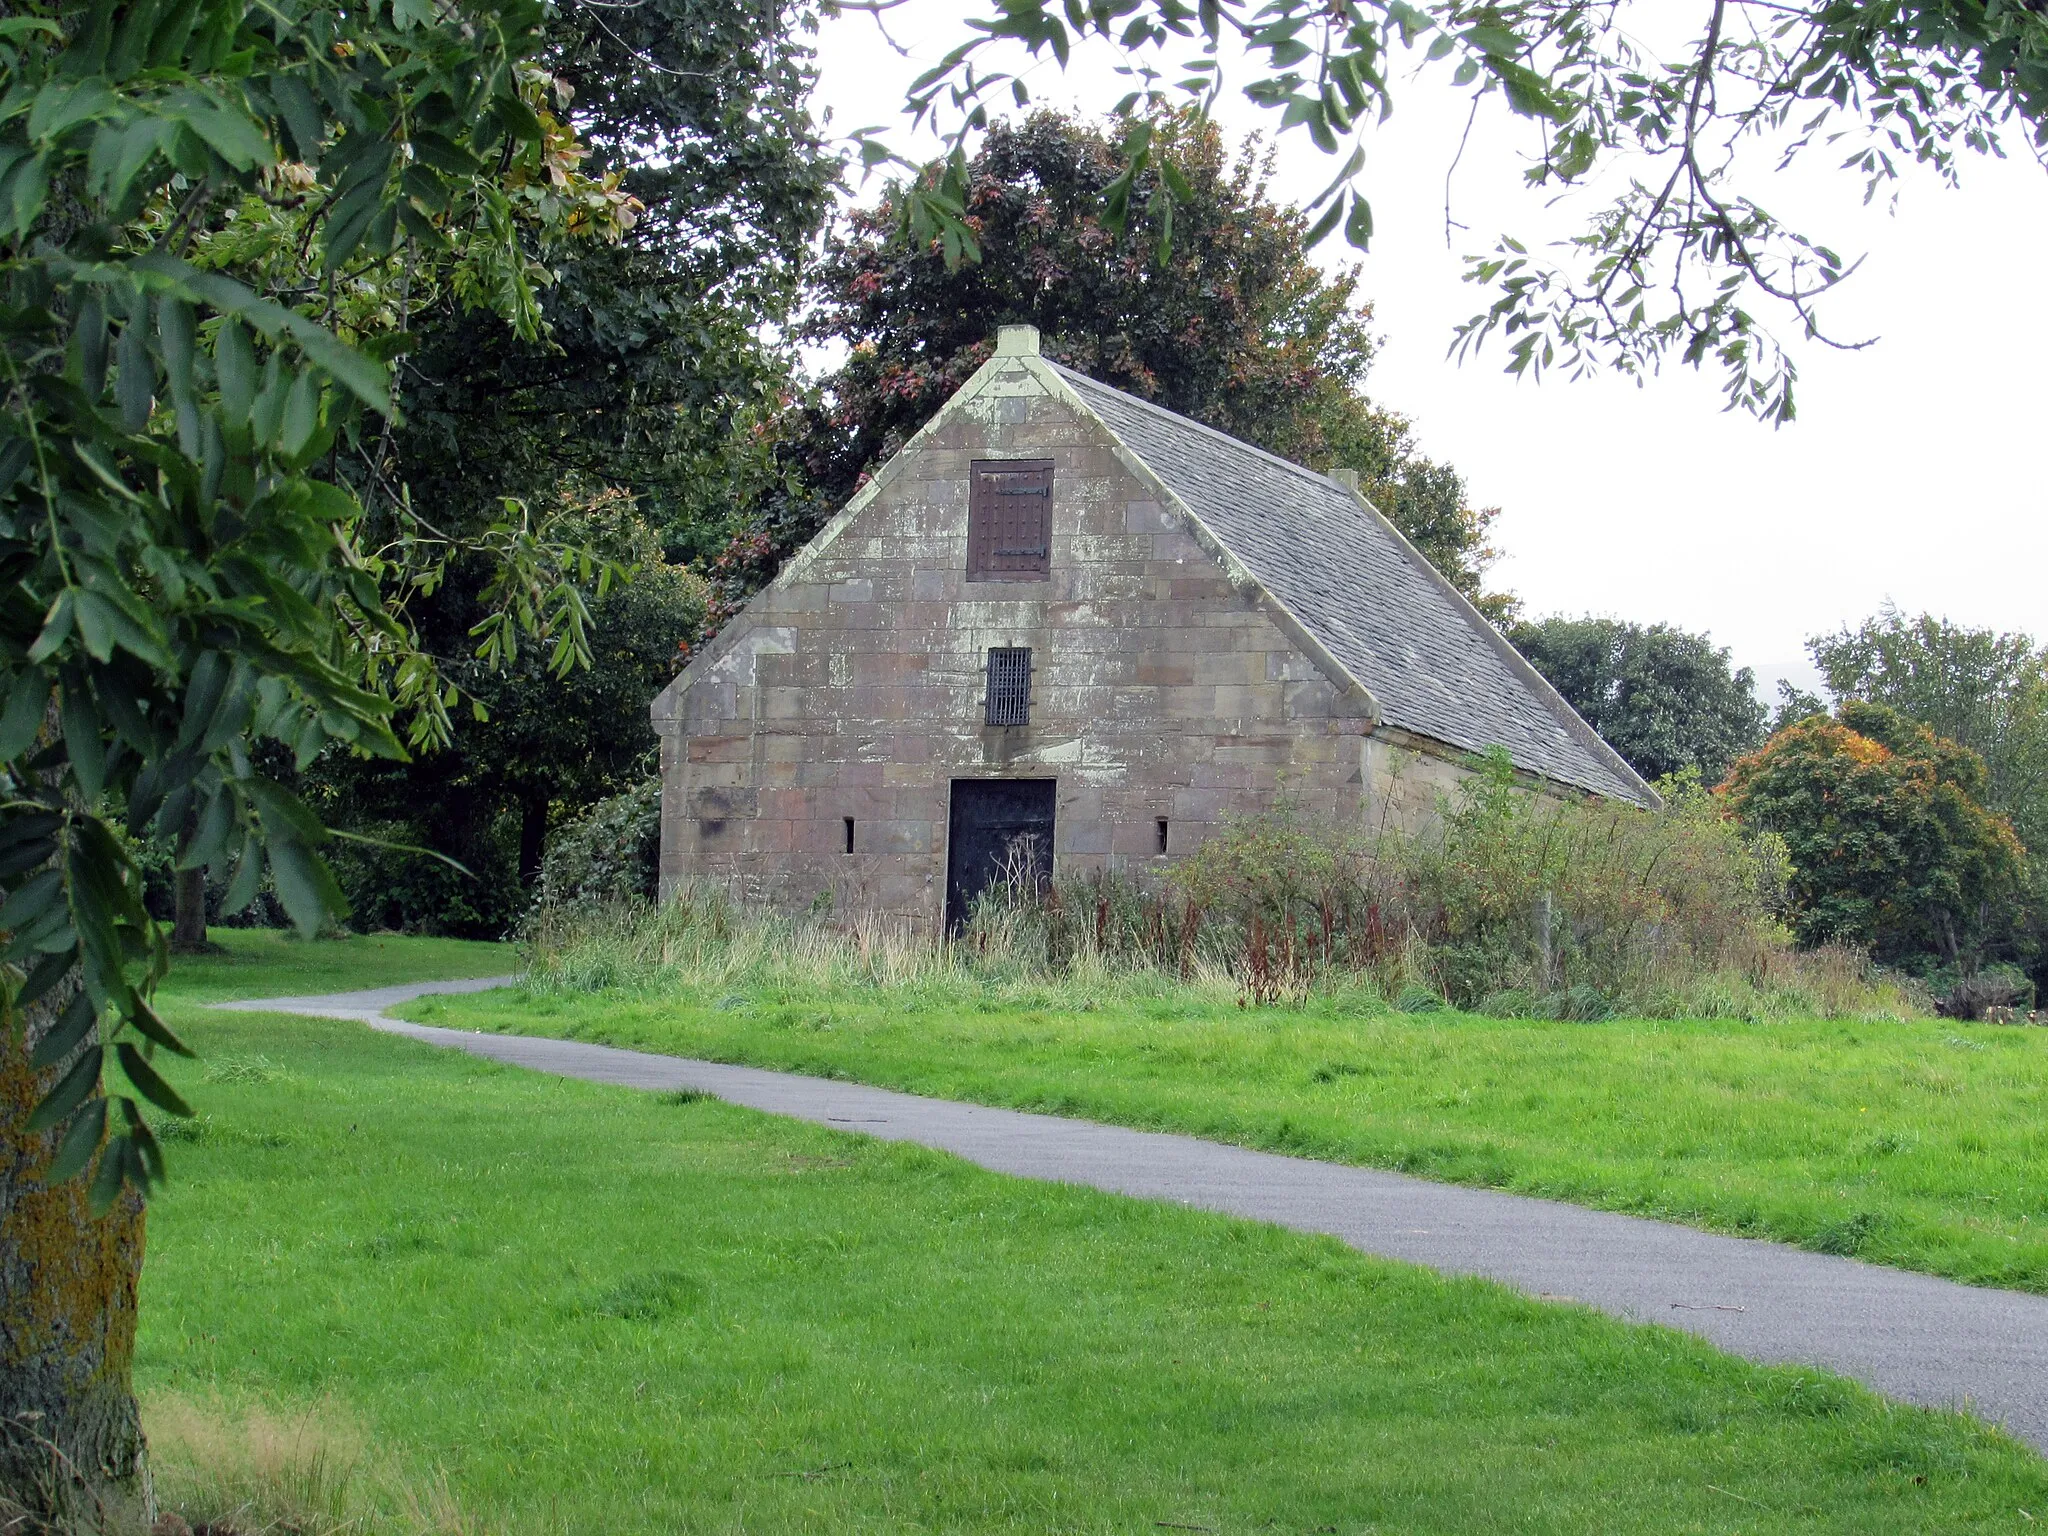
x=268, y=962
x=1920, y=1144
x=575, y=1308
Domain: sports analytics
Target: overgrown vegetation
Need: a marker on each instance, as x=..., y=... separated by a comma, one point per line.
x=1514, y=900
x=609, y=853
x=1513, y=904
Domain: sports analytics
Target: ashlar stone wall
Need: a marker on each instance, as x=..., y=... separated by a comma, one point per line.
x=1166, y=683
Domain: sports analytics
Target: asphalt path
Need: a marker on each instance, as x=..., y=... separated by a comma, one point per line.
x=1909, y=1336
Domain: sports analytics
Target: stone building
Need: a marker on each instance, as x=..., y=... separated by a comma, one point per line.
x=1065, y=627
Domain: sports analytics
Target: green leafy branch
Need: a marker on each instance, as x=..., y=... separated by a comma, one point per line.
x=1687, y=263
x=179, y=571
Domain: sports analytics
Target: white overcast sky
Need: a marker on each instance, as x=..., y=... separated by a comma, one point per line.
x=1916, y=473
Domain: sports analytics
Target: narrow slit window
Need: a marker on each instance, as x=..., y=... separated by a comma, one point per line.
x=849, y=834
x=1009, y=520
x=1162, y=834
x=1009, y=685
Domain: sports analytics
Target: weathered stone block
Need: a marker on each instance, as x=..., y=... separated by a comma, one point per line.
x=724, y=803
x=720, y=749
x=1147, y=517
x=1083, y=837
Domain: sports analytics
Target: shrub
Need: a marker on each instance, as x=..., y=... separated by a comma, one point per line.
x=610, y=853
x=1574, y=1005
x=1289, y=896
x=1974, y=995
x=1526, y=891
x=397, y=887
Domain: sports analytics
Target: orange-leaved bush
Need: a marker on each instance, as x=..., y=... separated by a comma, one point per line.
x=1891, y=845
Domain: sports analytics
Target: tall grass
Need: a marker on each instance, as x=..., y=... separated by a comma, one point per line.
x=1046, y=954
x=703, y=941
x=247, y=1469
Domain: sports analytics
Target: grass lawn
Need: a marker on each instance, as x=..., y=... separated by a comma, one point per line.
x=265, y=962
x=1922, y=1145
x=586, y=1310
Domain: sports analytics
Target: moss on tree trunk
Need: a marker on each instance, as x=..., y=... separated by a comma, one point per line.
x=71, y=1446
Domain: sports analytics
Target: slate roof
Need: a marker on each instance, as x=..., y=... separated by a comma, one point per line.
x=1435, y=665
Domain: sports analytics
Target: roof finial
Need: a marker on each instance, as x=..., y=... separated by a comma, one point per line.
x=1017, y=341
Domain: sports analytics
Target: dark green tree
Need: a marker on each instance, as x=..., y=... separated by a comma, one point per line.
x=1664, y=698
x=1892, y=847
x=1794, y=704
x=1233, y=325
x=546, y=744
x=648, y=376
x=651, y=361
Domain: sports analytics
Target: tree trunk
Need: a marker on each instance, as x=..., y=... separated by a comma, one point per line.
x=188, y=893
x=71, y=1447
x=188, y=927
x=533, y=837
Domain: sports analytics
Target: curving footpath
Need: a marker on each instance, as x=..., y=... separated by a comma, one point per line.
x=1912, y=1337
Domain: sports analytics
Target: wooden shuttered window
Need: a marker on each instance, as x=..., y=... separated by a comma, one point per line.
x=1009, y=520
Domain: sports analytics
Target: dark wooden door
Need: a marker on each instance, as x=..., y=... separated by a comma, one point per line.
x=999, y=829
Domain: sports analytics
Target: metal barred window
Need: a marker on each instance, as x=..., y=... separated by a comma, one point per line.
x=1009, y=685
x=1009, y=520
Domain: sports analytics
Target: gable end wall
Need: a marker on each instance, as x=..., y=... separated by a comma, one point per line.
x=1164, y=685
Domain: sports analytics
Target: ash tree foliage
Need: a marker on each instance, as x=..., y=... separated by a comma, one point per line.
x=544, y=747
x=1891, y=844
x=1664, y=698
x=215, y=222
x=1672, y=146
x=182, y=582
x=1231, y=324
